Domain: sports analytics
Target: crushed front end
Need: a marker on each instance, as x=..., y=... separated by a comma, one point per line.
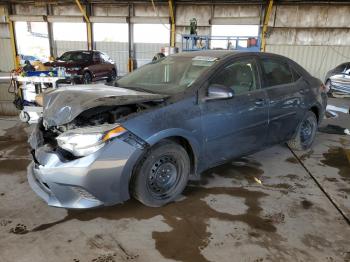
x=82, y=178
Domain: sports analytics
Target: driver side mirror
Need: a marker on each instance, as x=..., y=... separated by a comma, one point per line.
x=216, y=92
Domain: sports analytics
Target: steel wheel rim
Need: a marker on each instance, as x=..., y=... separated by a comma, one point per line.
x=306, y=131
x=163, y=177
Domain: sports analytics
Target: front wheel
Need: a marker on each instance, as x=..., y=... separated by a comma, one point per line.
x=87, y=78
x=161, y=175
x=112, y=76
x=305, y=134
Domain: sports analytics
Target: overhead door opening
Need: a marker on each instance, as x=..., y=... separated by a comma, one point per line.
x=112, y=38
x=149, y=39
x=69, y=36
x=32, y=41
x=233, y=31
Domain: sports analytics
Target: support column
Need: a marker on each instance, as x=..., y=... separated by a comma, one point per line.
x=88, y=24
x=172, y=19
x=50, y=33
x=131, y=40
x=12, y=38
x=268, y=11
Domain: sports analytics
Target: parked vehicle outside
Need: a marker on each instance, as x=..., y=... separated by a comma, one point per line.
x=86, y=66
x=338, y=79
x=154, y=129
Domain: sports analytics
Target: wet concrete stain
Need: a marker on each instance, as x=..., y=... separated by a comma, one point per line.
x=293, y=176
x=337, y=157
x=10, y=166
x=316, y=242
x=14, y=151
x=303, y=157
x=292, y=160
x=239, y=169
x=331, y=179
x=15, y=138
x=188, y=235
x=306, y=204
x=345, y=190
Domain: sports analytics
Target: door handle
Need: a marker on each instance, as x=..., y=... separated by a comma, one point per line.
x=302, y=91
x=260, y=102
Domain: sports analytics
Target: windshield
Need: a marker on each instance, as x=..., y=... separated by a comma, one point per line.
x=167, y=76
x=75, y=56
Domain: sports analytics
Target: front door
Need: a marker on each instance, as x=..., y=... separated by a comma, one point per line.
x=238, y=125
x=96, y=68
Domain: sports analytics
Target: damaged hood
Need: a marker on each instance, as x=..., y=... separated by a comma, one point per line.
x=64, y=104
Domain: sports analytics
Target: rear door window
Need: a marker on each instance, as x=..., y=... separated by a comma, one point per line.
x=105, y=58
x=276, y=72
x=296, y=74
x=96, y=57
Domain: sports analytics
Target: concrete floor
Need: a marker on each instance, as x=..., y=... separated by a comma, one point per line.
x=228, y=216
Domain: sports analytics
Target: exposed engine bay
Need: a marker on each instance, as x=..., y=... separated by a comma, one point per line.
x=103, y=115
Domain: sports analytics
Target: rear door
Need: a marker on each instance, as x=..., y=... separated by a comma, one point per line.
x=285, y=98
x=237, y=125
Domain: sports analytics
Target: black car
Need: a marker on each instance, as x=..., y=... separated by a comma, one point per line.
x=338, y=79
x=86, y=66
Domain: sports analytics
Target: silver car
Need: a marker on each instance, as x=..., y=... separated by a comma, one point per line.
x=338, y=79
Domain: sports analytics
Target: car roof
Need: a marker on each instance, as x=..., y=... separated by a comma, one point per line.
x=211, y=53
x=226, y=53
x=81, y=51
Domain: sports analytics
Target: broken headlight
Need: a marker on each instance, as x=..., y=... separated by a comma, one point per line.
x=85, y=141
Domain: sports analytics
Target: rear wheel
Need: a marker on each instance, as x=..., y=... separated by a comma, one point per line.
x=161, y=175
x=305, y=134
x=87, y=78
x=112, y=75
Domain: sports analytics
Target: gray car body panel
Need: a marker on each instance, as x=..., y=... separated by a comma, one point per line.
x=216, y=131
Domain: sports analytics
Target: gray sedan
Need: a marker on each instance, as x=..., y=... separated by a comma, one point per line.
x=154, y=129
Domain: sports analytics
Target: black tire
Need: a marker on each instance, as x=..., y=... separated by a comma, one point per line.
x=112, y=75
x=161, y=175
x=305, y=133
x=87, y=78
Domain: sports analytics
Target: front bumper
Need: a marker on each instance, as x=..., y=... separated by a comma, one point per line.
x=101, y=178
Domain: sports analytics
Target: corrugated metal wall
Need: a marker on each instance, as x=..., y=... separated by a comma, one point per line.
x=6, y=59
x=318, y=60
x=144, y=52
x=64, y=46
x=118, y=52
x=7, y=107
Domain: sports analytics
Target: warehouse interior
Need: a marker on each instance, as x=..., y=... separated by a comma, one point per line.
x=277, y=204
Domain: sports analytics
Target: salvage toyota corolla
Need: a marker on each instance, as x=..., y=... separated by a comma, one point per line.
x=151, y=131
